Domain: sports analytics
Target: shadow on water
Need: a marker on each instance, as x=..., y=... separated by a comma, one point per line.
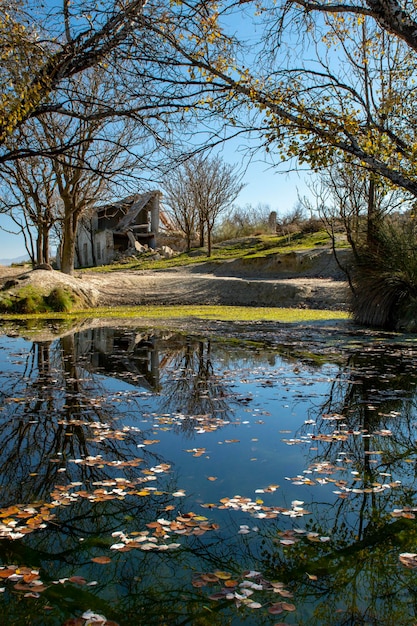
x=150, y=477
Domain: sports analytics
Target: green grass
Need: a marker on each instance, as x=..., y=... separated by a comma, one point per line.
x=221, y=313
x=31, y=300
x=255, y=247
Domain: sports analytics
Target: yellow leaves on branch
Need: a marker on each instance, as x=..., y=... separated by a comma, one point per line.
x=22, y=91
x=14, y=109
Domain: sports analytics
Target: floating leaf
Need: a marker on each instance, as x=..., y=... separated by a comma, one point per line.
x=209, y=578
x=101, y=559
x=79, y=580
x=276, y=609
x=222, y=575
x=409, y=559
x=30, y=577
x=93, y=617
x=5, y=573
x=217, y=596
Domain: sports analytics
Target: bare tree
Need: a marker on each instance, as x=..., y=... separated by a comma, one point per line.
x=199, y=192
x=47, y=49
x=86, y=175
x=360, y=205
x=327, y=79
x=31, y=200
x=63, y=187
x=181, y=208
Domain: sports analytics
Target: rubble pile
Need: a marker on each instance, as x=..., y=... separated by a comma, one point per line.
x=139, y=251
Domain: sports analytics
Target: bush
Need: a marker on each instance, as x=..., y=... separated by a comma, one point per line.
x=385, y=279
x=311, y=225
x=243, y=223
x=6, y=303
x=28, y=300
x=61, y=300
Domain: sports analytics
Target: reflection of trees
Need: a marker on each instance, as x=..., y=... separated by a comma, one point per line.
x=194, y=388
x=179, y=366
x=357, y=584
x=136, y=587
x=49, y=410
x=50, y=406
x=366, y=426
x=58, y=391
x=59, y=398
x=371, y=411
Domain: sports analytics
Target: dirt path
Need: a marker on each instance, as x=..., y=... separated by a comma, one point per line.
x=184, y=286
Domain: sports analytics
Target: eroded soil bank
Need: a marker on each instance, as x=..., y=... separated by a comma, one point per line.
x=311, y=279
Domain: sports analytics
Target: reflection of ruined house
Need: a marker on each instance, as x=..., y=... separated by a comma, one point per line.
x=115, y=228
x=127, y=355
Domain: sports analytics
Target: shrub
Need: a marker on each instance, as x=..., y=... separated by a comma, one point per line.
x=28, y=300
x=6, y=303
x=311, y=225
x=61, y=300
x=243, y=223
x=385, y=279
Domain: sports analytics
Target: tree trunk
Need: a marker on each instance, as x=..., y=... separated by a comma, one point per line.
x=38, y=259
x=45, y=245
x=188, y=236
x=68, y=244
x=201, y=233
x=208, y=240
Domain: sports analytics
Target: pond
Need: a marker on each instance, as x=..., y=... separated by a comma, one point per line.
x=149, y=477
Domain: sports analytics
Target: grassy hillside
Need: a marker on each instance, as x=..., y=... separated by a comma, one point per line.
x=253, y=247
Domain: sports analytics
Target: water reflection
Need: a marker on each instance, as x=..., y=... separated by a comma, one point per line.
x=142, y=439
x=130, y=356
x=362, y=441
x=141, y=358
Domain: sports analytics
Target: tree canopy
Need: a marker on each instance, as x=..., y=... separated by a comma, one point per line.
x=310, y=79
x=39, y=55
x=316, y=81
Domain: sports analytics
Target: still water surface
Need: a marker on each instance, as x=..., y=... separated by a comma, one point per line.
x=153, y=478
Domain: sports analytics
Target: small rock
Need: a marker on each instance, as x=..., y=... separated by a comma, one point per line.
x=167, y=252
x=140, y=248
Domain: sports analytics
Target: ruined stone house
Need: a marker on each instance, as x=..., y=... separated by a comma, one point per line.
x=117, y=227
